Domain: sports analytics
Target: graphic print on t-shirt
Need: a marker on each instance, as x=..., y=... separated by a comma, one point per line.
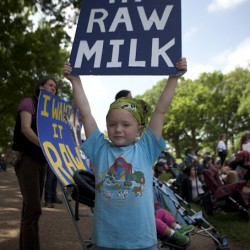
x=120, y=181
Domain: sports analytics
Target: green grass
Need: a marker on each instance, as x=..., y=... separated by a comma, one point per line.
x=230, y=224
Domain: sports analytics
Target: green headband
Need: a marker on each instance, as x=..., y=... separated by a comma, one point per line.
x=138, y=108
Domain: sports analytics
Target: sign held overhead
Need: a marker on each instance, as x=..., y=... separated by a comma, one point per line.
x=121, y=37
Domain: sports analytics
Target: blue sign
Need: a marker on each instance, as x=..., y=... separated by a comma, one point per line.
x=59, y=132
x=127, y=37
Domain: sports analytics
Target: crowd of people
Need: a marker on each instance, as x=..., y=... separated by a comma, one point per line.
x=189, y=179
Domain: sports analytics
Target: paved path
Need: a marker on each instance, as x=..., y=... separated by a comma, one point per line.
x=57, y=231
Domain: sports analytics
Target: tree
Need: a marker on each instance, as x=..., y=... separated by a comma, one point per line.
x=245, y=100
x=28, y=51
x=204, y=108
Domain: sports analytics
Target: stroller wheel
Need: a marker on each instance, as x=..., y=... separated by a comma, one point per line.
x=223, y=243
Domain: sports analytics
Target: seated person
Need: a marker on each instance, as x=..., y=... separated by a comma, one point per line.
x=228, y=175
x=190, y=183
x=166, y=225
x=241, y=165
x=207, y=162
x=160, y=167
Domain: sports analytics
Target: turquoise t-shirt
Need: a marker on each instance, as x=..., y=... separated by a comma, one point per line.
x=124, y=211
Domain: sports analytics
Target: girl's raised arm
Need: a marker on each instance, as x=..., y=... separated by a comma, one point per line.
x=81, y=101
x=158, y=116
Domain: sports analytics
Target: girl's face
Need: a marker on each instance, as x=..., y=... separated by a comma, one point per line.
x=50, y=86
x=122, y=127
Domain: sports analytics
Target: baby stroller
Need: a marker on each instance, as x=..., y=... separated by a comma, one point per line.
x=84, y=192
x=229, y=197
x=184, y=214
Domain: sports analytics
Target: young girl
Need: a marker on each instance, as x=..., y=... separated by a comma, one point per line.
x=124, y=211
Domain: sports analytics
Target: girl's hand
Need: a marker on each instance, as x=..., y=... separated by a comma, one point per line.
x=67, y=72
x=181, y=65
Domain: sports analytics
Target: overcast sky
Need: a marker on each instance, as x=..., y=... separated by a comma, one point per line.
x=215, y=36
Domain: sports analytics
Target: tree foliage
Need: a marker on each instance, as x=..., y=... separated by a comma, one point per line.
x=34, y=43
x=202, y=109
x=30, y=48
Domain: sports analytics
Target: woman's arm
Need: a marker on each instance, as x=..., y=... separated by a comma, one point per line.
x=26, y=119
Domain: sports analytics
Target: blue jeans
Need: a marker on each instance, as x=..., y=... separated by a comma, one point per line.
x=50, y=186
